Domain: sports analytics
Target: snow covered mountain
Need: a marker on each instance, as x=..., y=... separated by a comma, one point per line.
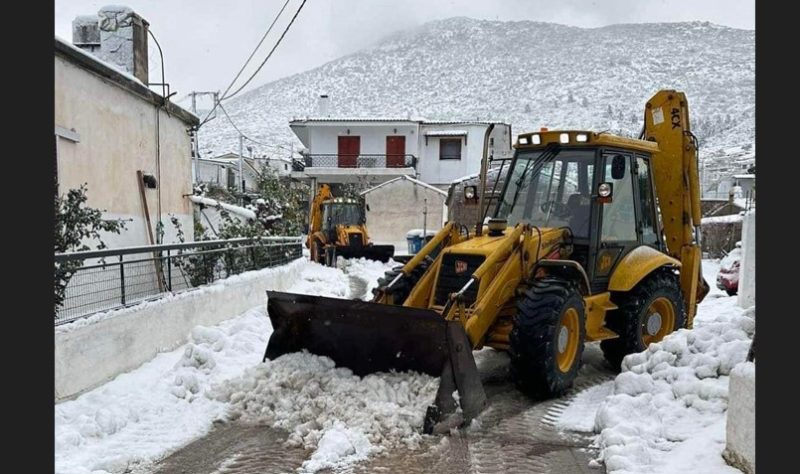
x=529, y=74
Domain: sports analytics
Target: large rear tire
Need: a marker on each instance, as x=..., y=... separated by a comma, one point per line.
x=547, y=340
x=402, y=288
x=649, y=312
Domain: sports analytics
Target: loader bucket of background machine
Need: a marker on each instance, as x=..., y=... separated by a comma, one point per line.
x=372, y=337
x=381, y=253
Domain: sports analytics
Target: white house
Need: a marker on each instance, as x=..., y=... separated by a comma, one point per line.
x=132, y=147
x=375, y=150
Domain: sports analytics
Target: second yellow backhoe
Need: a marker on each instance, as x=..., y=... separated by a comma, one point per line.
x=337, y=227
x=593, y=238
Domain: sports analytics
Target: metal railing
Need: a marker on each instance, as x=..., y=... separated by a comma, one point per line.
x=116, y=278
x=359, y=161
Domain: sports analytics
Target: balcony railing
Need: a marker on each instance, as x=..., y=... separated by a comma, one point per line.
x=358, y=161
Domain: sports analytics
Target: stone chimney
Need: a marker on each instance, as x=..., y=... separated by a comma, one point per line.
x=323, y=106
x=123, y=40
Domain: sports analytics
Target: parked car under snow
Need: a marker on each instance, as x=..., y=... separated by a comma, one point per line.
x=728, y=276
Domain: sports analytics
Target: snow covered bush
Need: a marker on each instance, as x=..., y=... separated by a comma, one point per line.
x=75, y=225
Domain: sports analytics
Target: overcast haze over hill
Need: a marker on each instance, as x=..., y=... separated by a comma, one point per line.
x=529, y=74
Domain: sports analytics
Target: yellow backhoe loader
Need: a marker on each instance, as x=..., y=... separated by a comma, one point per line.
x=337, y=227
x=593, y=238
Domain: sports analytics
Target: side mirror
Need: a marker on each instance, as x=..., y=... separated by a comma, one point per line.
x=605, y=191
x=618, y=167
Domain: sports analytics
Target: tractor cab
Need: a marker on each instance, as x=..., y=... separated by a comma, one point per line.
x=598, y=187
x=342, y=215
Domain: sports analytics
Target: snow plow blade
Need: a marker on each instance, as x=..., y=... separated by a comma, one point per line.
x=382, y=253
x=371, y=337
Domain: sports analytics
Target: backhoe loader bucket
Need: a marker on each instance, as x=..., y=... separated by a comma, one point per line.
x=371, y=337
x=381, y=253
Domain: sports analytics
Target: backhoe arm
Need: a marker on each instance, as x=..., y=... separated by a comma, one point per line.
x=678, y=188
x=315, y=215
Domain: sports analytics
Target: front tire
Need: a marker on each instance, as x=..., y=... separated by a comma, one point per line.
x=547, y=340
x=653, y=309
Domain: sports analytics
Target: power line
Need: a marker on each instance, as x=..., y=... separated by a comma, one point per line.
x=269, y=29
x=225, y=112
x=286, y=30
x=256, y=48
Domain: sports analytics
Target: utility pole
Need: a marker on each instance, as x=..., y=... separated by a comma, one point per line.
x=241, y=153
x=425, y=222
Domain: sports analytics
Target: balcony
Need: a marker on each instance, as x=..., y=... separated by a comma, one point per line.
x=336, y=168
x=359, y=161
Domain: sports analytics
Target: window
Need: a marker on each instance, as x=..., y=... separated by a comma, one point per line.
x=552, y=194
x=285, y=167
x=648, y=225
x=619, y=218
x=450, y=149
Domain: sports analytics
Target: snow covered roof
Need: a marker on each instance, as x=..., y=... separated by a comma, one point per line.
x=729, y=219
x=121, y=78
x=446, y=133
x=415, y=181
x=358, y=119
x=420, y=120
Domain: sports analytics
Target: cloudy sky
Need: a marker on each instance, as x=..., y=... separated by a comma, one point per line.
x=205, y=42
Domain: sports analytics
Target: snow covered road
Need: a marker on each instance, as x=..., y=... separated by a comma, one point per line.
x=140, y=416
x=213, y=407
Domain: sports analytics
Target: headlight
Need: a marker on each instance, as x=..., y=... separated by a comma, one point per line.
x=604, y=190
x=537, y=140
x=470, y=192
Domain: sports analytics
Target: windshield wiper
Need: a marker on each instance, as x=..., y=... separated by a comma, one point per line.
x=549, y=154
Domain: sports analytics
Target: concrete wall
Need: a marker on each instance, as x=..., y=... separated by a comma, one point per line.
x=324, y=137
x=93, y=351
x=442, y=172
x=117, y=137
x=747, y=267
x=396, y=207
x=740, y=440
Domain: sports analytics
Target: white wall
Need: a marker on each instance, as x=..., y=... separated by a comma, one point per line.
x=432, y=170
x=92, y=351
x=740, y=439
x=747, y=266
x=324, y=137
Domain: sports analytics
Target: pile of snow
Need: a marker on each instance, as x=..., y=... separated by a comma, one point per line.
x=667, y=411
x=367, y=271
x=142, y=415
x=139, y=416
x=327, y=408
